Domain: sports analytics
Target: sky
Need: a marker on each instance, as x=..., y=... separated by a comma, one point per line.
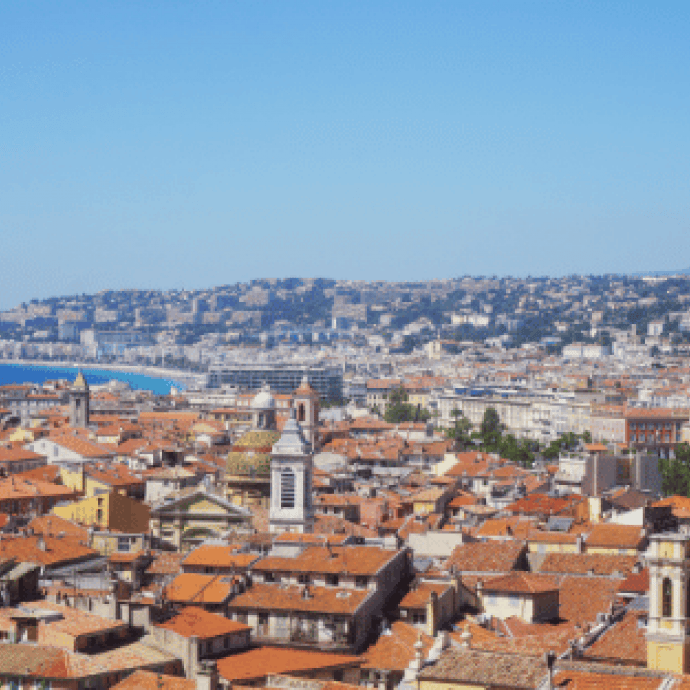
x=191, y=144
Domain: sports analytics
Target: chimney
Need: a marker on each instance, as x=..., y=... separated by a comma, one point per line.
x=466, y=637
x=432, y=615
x=550, y=659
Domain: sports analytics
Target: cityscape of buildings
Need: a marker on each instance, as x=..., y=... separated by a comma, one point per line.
x=478, y=483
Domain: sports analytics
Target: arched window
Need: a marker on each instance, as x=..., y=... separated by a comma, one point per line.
x=287, y=489
x=300, y=412
x=667, y=598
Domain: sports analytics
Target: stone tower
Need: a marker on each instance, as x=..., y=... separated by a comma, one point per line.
x=667, y=630
x=291, y=508
x=305, y=400
x=79, y=398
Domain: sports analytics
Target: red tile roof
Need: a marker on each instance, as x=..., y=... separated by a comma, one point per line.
x=262, y=661
x=193, y=621
x=355, y=560
x=293, y=598
x=395, y=648
x=490, y=556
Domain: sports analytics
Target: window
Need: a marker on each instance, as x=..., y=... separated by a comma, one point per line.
x=287, y=489
x=332, y=580
x=304, y=579
x=361, y=582
x=123, y=544
x=666, y=598
x=632, y=426
x=269, y=577
x=418, y=618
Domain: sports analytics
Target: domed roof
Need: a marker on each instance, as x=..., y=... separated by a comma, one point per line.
x=264, y=399
x=80, y=382
x=251, y=455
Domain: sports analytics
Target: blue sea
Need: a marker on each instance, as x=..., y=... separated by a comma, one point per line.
x=25, y=373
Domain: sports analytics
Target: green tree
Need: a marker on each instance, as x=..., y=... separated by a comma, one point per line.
x=675, y=477
x=399, y=410
x=460, y=431
x=490, y=430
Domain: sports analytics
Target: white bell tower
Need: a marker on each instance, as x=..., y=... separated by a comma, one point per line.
x=305, y=400
x=291, y=481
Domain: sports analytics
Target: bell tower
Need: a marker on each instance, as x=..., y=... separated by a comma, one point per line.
x=668, y=642
x=305, y=401
x=291, y=507
x=79, y=398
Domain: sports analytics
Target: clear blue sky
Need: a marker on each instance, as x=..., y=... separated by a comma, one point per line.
x=192, y=144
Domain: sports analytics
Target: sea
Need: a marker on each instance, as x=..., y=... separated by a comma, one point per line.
x=30, y=373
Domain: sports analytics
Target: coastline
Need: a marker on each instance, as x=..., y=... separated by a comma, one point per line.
x=174, y=376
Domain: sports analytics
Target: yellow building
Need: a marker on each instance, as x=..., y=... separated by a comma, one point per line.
x=110, y=511
x=93, y=480
x=553, y=542
x=194, y=516
x=430, y=501
x=668, y=647
x=107, y=543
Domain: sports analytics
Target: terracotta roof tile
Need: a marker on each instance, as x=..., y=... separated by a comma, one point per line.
x=489, y=669
x=147, y=680
x=490, y=556
x=394, y=649
x=193, y=621
x=607, y=535
x=521, y=583
x=582, y=598
x=293, y=598
x=623, y=642
x=262, y=661
x=355, y=560
x=583, y=563
x=220, y=557
x=199, y=589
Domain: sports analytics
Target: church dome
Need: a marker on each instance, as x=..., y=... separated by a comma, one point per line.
x=251, y=455
x=264, y=399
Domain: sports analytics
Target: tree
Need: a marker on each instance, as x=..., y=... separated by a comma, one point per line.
x=491, y=423
x=675, y=477
x=399, y=410
x=460, y=432
x=490, y=430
